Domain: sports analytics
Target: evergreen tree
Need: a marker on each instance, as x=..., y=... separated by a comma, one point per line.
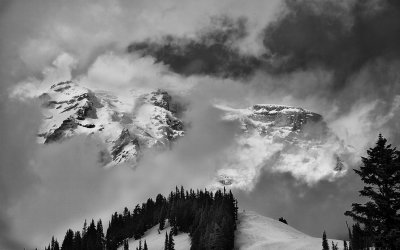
x=99, y=235
x=209, y=218
x=162, y=218
x=334, y=246
x=68, y=242
x=166, y=243
x=359, y=239
x=126, y=245
x=171, y=244
x=345, y=245
x=350, y=237
x=84, y=230
x=77, y=244
x=380, y=216
x=325, y=245
x=54, y=244
x=145, y=246
x=281, y=219
x=174, y=229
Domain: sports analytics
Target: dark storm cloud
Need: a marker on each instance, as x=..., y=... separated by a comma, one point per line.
x=339, y=37
x=212, y=52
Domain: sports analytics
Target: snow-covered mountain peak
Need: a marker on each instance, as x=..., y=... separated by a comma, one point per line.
x=280, y=138
x=127, y=128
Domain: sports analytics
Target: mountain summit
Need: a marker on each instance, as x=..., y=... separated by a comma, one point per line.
x=126, y=128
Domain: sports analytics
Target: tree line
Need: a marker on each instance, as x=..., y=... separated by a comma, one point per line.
x=208, y=217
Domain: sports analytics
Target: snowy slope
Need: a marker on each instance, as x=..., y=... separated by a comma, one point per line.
x=254, y=232
x=258, y=232
x=155, y=240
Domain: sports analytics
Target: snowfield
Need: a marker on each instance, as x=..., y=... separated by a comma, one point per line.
x=258, y=232
x=254, y=232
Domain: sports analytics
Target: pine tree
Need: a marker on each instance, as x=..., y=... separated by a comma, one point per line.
x=84, y=230
x=166, y=243
x=281, y=219
x=162, y=218
x=325, y=245
x=77, y=245
x=358, y=238
x=68, y=241
x=99, y=235
x=345, y=245
x=175, y=229
x=145, y=246
x=171, y=244
x=126, y=245
x=380, y=216
x=334, y=246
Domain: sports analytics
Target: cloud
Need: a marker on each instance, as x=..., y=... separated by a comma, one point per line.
x=17, y=179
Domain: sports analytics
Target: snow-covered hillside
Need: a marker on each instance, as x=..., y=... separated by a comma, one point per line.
x=127, y=128
x=256, y=232
x=155, y=239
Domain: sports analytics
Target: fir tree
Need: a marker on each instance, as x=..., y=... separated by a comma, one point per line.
x=345, y=245
x=145, y=246
x=334, y=246
x=281, y=219
x=77, y=244
x=68, y=242
x=358, y=238
x=325, y=245
x=126, y=245
x=171, y=244
x=99, y=235
x=162, y=218
x=380, y=216
x=166, y=243
x=84, y=230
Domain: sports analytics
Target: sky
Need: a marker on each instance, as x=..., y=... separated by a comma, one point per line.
x=337, y=58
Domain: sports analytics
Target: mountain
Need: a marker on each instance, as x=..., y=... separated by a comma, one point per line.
x=127, y=128
x=254, y=232
x=280, y=137
x=273, y=136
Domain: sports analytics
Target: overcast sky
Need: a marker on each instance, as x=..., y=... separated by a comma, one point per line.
x=337, y=58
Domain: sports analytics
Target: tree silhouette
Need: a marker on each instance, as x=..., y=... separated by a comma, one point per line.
x=380, y=216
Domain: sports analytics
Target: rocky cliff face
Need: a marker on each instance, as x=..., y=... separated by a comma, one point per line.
x=127, y=129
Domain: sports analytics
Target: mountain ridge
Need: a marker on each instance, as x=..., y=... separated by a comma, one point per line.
x=150, y=120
